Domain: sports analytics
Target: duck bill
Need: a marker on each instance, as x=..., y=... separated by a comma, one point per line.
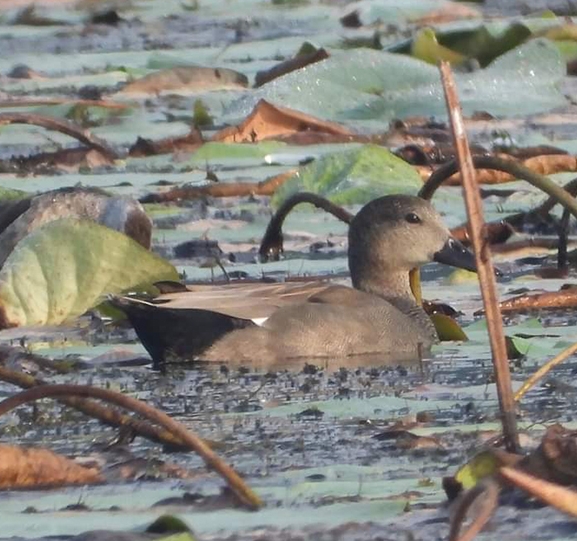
x=455, y=254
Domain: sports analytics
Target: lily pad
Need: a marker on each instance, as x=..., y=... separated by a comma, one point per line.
x=214, y=152
x=10, y=194
x=484, y=43
x=62, y=269
x=354, y=176
x=375, y=87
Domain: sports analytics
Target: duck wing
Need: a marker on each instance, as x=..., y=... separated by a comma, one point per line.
x=249, y=301
x=178, y=326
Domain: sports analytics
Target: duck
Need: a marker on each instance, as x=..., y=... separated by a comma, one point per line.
x=270, y=324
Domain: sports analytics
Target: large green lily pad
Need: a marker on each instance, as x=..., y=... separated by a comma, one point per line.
x=354, y=176
x=61, y=270
x=375, y=87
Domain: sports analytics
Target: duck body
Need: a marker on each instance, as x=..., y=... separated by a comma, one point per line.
x=266, y=324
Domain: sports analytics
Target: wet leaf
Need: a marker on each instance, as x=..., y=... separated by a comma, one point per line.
x=426, y=47
x=372, y=86
x=448, y=329
x=216, y=152
x=168, y=524
x=486, y=42
x=267, y=121
x=62, y=269
x=479, y=467
x=353, y=176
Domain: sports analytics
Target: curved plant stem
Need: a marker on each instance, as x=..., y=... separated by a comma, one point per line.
x=272, y=242
x=558, y=359
x=109, y=416
x=489, y=491
x=556, y=193
x=63, y=126
x=245, y=495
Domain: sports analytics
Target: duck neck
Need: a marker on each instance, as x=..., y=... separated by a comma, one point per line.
x=396, y=290
x=389, y=285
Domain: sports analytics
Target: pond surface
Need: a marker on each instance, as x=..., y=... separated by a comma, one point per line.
x=310, y=440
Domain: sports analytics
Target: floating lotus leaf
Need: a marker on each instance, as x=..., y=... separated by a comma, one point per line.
x=61, y=270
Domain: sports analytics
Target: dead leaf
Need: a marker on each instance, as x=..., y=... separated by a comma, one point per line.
x=548, y=164
x=148, y=147
x=267, y=121
x=22, y=467
x=229, y=189
x=185, y=79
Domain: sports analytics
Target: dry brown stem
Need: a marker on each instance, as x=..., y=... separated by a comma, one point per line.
x=566, y=298
x=485, y=269
x=272, y=242
x=292, y=64
x=557, y=496
x=104, y=414
x=63, y=126
x=484, y=497
x=245, y=495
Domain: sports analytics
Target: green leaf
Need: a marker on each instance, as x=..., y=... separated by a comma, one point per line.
x=217, y=152
x=461, y=276
x=366, y=87
x=354, y=176
x=10, y=194
x=448, y=329
x=168, y=524
x=59, y=271
x=426, y=47
x=480, y=466
x=484, y=42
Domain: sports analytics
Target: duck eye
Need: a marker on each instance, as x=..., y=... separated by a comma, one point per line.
x=413, y=218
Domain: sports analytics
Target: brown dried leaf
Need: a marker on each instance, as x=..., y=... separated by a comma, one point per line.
x=267, y=121
x=148, y=147
x=185, y=79
x=22, y=467
x=448, y=12
x=548, y=164
x=228, y=189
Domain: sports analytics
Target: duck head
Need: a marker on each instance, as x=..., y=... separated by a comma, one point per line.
x=396, y=233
